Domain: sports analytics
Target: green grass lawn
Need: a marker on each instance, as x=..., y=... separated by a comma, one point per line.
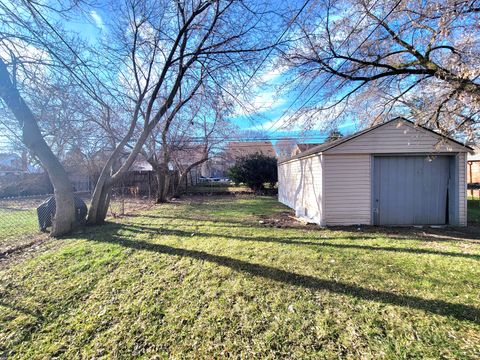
x=18, y=222
x=15, y=224
x=474, y=211
x=204, y=279
x=213, y=187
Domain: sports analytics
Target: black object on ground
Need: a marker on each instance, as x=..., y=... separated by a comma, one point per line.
x=46, y=212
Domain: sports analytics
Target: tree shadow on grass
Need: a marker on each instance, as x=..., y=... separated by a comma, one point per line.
x=16, y=307
x=394, y=249
x=298, y=241
x=236, y=223
x=426, y=233
x=140, y=228
x=454, y=235
x=439, y=307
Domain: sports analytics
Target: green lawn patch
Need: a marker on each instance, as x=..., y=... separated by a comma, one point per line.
x=205, y=279
x=16, y=224
x=216, y=188
x=474, y=211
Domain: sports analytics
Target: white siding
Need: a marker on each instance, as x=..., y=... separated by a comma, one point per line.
x=300, y=187
x=462, y=191
x=396, y=137
x=289, y=182
x=334, y=187
x=347, y=189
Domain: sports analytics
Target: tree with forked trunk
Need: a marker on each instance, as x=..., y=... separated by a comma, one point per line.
x=157, y=56
x=164, y=57
x=187, y=142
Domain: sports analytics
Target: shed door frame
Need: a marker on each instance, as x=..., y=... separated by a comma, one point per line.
x=453, y=188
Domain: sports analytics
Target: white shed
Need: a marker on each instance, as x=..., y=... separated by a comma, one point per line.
x=395, y=173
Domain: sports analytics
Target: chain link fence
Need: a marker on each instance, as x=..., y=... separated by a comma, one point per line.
x=19, y=223
x=128, y=200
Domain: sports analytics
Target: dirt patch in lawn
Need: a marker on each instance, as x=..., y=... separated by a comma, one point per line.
x=285, y=220
x=25, y=247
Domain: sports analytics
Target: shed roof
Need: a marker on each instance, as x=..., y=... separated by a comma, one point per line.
x=331, y=144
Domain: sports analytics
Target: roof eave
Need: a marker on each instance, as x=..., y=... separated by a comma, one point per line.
x=336, y=143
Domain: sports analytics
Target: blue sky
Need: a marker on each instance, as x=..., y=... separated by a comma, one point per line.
x=266, y=110
x=275, y=110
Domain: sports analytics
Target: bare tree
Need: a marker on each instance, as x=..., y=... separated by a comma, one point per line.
x=28, y=57
x=212, y=130
x=157, y=56
x=171, y=50
x=33, y=139
x=378, y=58
x=190, y=139
x=284, y=148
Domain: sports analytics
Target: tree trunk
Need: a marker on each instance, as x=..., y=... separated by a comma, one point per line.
x=185, y=173
x=178, y=184
x=103, y=188
x=100, y=202
x=64, y=220
x=163, y=183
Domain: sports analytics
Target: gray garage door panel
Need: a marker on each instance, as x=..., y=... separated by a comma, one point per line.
x=410, y=190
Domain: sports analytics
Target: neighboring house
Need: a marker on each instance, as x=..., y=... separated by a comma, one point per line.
x=300, y=148
x=473, y=167
x=185, y=157
x=139, y=179
x=214, y=167
x=395, y=173
x=80, y=178
x=238, y=149
x=140, y=165
x=14, y=164
x=286, y=148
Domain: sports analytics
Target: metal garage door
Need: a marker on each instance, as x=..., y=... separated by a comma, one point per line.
x=410, y=190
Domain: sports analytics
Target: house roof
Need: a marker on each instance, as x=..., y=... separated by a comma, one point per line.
x=242, y=148
x=188, y=155
x=141, y=165
x=331, y=144
x=305, y=147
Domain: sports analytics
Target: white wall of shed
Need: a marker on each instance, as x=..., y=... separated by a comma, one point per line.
x=347, y=189
x=300, y=187
x=288, y=183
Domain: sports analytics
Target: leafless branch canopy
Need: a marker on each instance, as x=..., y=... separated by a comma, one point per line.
x=390, y=57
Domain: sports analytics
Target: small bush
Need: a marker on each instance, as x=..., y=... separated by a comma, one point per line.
x=254, y=171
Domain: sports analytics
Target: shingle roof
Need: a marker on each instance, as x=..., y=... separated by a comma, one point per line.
x=237, y=149
x=305, y=147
